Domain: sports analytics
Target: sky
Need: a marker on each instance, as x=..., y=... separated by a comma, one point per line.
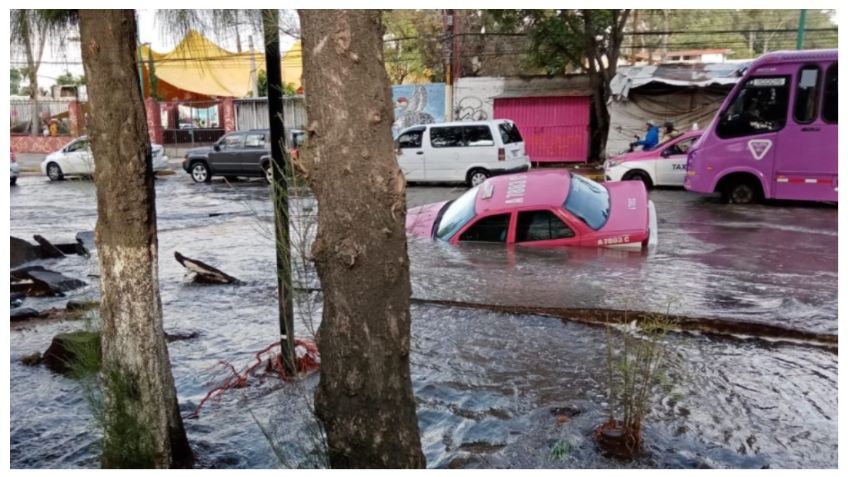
x=57, y=61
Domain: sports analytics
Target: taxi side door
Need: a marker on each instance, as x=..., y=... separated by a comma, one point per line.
x=671, y=166
x=545, y=227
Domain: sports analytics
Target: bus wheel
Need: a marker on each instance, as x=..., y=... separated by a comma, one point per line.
x=740, y=191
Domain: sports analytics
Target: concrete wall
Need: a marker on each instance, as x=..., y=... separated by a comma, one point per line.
x=473, y=97
x=38, y=145
x=73, y=125
x=417, y=104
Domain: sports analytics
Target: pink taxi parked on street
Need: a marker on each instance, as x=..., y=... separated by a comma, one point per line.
x=542, y=208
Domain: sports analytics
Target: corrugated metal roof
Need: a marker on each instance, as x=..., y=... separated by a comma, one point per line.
x=683, y=75
x=544, y=93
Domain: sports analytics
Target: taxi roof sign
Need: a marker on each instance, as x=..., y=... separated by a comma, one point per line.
x=488, y=190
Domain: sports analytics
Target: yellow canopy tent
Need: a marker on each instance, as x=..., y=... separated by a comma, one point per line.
x=197, y=69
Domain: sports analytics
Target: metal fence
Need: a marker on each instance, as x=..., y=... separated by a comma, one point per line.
x=21, y=111
x=191, y=123
x=253, y=113
x=192, y=136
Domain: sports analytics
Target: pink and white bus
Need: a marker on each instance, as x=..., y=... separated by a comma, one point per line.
x=775, y=135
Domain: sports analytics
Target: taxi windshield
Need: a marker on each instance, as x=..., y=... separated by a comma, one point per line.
x=457, y=214
x=588, y=201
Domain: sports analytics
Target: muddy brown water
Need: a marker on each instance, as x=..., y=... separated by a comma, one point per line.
x=486, y=382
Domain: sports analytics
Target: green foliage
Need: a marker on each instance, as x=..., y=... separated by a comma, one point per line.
x=636, y=365
x=560, y=451
x=127, y=442
x=15, y=78
x=413, y=47
x=262, y=83
x=563, y=40
x=68, y=79
x=84, y=349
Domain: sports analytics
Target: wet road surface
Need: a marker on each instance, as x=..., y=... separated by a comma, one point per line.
x=485, y=382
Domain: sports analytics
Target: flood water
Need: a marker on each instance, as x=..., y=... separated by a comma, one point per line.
x=485, y=382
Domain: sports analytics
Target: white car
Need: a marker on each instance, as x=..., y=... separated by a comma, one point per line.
x=467, y=152
x=664, y=165
x=75, y=159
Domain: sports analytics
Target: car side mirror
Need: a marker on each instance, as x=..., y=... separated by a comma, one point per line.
x=666, y=152
x=216, y=148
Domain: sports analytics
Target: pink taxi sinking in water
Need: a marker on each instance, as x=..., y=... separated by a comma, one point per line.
x=542, y=208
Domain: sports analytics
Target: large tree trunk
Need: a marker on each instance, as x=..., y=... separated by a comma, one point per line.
x=143, y=427
x=599, y=120
x=603, y=62
x=364, y=398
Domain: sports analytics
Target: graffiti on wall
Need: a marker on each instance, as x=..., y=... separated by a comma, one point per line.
x=471, y=108
x=417, y=104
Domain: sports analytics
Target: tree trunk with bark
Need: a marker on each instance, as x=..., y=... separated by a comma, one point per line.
x=602, y=50
x=142, y=424
x=364, y=398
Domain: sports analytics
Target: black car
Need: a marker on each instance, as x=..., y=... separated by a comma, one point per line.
x=238, y=153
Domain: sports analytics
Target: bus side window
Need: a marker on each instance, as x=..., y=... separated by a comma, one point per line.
x=830, y=105
x=806, y=94
x=760, y=106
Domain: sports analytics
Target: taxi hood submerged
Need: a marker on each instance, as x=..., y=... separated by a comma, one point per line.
x=419, y=220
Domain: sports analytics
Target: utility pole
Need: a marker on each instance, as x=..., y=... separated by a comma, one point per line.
x=254, y=77
x=139, y=59
x=236, y=28
x=448, y=62
x=456, y=68
x=279, y=186
x=799, y=44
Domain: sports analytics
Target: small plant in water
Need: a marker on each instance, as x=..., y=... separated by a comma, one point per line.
x=560, y=450
x=635, y=367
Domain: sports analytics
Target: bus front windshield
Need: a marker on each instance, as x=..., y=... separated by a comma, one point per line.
x=458, y=213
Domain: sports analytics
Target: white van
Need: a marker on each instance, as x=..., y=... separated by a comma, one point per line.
x=466, y=152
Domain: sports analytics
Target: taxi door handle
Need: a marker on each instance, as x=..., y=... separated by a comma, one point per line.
x=420, y=152
x=810, y=129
